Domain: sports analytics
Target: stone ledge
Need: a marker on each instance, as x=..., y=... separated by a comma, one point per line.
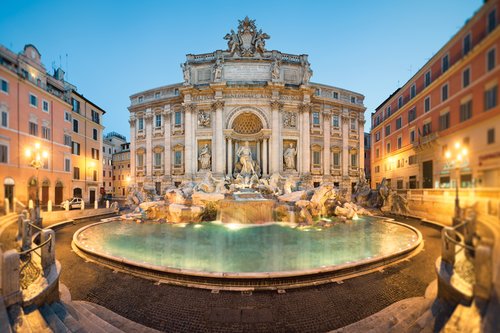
x=45, y=289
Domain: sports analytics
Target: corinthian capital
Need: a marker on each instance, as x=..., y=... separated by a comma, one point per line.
x=189, y=107
x=305, y=107
x=276, y=105
x=218, y=104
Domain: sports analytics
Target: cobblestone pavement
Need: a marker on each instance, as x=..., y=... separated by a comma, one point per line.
x=311, y=309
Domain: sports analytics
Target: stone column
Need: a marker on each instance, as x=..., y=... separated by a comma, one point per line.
x=259, y=158
x=275, y=136
x=148, y=119
x=131, y=122
x=218, y=139
x=264, y=157
x=326, y=143
x=361, y=131
x=306, y=137
x=345, y=150
x=167, y=137
x=229, y=156
x=188, y=139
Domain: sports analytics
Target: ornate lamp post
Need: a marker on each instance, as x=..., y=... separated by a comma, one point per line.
x=37, y=157
x=455, y=157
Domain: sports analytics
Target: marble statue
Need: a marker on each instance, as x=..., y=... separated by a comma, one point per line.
x=289, y=157
x=186, y=73
x=233, y=42
x=204, y=119
x=245, y=157
x=307, y=73
x=248, y=40
x=205, y=157
x=217, y=70
x=275, y=70
x=259, y=41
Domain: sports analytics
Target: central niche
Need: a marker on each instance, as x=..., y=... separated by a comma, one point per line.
x=247, y=123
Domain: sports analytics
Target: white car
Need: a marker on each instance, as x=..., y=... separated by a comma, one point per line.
x=73, y=203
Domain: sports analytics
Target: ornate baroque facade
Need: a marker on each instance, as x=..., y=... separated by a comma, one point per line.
x=246, y=94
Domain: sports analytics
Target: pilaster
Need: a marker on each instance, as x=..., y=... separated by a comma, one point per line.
x=218, y=138
x=275, y=136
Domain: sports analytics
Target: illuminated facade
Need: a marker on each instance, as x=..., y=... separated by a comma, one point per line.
x=449, y=106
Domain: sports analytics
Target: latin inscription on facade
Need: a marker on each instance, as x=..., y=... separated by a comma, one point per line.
x=247, y=72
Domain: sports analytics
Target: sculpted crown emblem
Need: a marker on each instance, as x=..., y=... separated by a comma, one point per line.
x=247, y=41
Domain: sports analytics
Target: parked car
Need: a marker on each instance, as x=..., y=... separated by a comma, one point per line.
x=74, y=203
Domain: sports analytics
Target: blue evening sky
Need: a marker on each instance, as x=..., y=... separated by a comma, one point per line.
x=117, y=48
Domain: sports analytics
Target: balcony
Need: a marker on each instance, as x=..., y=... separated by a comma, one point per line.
x=427, y=141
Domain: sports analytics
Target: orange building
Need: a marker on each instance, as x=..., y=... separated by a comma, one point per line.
x=443, y=125
x=33, y=109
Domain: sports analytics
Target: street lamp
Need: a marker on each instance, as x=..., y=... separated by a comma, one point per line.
x=455, y=158
x=37, y=157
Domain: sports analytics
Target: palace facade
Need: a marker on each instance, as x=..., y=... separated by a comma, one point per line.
x=246, y=94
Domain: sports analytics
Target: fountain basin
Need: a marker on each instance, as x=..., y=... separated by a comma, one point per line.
x=269, y=256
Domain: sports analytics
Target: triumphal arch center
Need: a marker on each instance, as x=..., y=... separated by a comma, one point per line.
x=246, y=110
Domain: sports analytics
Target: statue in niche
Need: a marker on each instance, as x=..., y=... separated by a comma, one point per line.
x=205, y=158
x=204, y=119
x=290, y=120
x=244, y=154
x=289, y=157
x=275, y=70
x=217, y=70
x=233, y=42
x=186, y=73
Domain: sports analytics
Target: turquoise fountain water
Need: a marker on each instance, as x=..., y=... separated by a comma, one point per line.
x=246, y=249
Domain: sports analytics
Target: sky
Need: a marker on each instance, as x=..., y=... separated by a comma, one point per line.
x=113, y=49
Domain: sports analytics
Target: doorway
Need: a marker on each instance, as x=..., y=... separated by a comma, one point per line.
x=9, y=191
x=92, y=196
x=77, y=192
x=58, y=195
x=427, y=174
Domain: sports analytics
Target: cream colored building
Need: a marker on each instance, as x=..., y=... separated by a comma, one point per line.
x=246, y=94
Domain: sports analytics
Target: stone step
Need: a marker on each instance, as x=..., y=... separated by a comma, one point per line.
x=90, y=321
x=65, y=316
x=4, y=319
x=53, y=320
x=36, y=322
x=115, y=319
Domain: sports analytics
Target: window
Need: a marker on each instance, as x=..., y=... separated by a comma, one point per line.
x=33, y=100
x=67, y=140
x=95, y=154
x=5, y=119
x=445, y=63
x=400, y=142
x=444, y=92
x=490, y=98
x=491, y=136
x=315, y=116
x=95, y=117
x=444, y=121
x=75, y=149
x=46, y=133
x=492, y=20
x=412, y=114
x=94, y=133
x=4, y=86
x=76, y=173
x=354, y=160
x=76, y=105
x=141, y=124
x=157, y=159
x=336, y=159
x=388, y=112
x=388, y=148
x=67, y=165
x=377, y=136
x=33, y=129
x=353, y=99
x=75, y=125
x=4, y=153
x=491, y=59
x=316, y=159
x=413, y=91
x=387, y=130
x=466, y=77
x=466, y=44
x=157, y=94
x=45, y=106
x=67, y=116
x=178, y=158
x=466, y=111
x=427, y=129
x=400, y=101
x=412, y=136
x=94, y=175
x=427, y=78
x=335, y=121
x=158, y=120
x=353, y=124
x=377, y=153
x=335, y=95
x=140, y=99
x=427, y=104
x=399, y=122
